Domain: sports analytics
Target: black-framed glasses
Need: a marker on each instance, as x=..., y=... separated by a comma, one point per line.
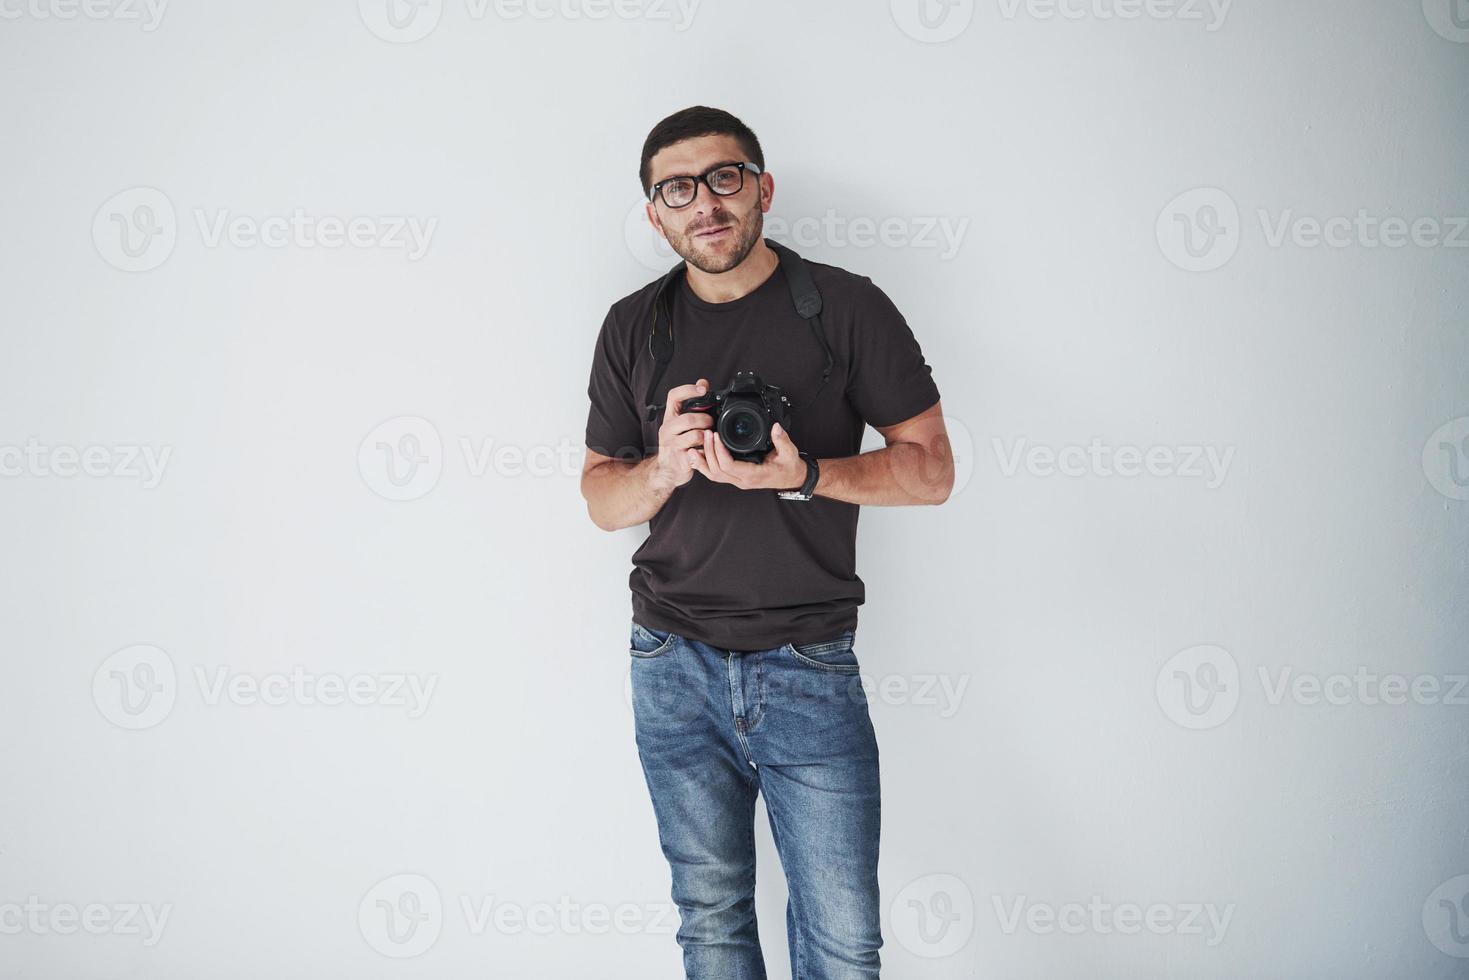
x=724, y=179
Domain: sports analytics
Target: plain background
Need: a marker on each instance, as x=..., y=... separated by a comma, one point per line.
x=1107, y=736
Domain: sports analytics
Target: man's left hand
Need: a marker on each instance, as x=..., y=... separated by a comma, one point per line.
x=782, y=469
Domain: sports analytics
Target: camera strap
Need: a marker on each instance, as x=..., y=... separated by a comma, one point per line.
x=804, y=295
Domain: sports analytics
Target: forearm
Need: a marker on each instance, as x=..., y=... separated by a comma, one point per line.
x=900, y=474
x=621, y=494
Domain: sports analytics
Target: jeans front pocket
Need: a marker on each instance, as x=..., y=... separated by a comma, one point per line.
x=648, y=643
x=837, y=655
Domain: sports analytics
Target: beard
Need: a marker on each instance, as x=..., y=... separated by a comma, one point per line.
x=746, y=232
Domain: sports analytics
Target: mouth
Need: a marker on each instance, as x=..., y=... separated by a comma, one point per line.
x=712, y=233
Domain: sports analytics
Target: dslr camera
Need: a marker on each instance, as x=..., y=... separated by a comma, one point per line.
x=744, y=411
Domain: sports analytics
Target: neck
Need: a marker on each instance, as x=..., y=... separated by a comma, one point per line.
x=725, y=287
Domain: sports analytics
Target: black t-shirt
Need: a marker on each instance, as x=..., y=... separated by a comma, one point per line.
x=744, y=569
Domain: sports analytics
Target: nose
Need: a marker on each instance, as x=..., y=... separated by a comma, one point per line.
x=703, y=197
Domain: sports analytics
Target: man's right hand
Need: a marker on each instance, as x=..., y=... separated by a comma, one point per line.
x=681, y=436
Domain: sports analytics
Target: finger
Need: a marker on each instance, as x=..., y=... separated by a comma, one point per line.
x=726, y=462
x=693, y=439
x=780, y=439
x=697, y=461
x=691, y=421
x=680, y=392
x=712, y=445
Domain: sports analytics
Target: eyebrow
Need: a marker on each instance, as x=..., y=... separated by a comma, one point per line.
x=712, y=166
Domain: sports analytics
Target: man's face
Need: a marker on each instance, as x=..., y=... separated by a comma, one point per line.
x=713, y=233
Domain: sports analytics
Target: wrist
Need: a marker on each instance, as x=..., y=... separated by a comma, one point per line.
x=811, y=478
x=658, y=479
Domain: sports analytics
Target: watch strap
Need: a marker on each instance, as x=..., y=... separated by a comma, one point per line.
x=808, y=488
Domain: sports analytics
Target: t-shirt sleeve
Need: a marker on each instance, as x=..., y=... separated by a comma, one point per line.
x=614, y=427
x=888, y=381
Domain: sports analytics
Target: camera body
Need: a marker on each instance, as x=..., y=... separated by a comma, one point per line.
x=744, y=410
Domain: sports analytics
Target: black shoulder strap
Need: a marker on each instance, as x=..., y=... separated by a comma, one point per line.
x=660, y=343
x=807, y=299
x=803, y=291
x=804, y=295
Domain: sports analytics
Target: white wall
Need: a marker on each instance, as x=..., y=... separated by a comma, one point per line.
x=1070, y=618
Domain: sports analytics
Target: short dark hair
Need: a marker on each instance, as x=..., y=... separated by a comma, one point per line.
x=698, y=120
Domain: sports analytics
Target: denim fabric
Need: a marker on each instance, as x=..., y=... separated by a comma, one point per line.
x=717, y=727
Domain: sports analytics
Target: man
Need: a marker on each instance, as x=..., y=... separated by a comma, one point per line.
x=744, y=672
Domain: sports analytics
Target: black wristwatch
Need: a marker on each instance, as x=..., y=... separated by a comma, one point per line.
x=808, y=489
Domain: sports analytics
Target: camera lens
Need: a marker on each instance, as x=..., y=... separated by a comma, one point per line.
x=742, y=428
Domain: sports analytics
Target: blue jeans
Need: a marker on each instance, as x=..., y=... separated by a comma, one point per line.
x=716, y=727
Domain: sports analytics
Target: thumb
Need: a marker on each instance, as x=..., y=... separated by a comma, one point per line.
x=780, y=437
